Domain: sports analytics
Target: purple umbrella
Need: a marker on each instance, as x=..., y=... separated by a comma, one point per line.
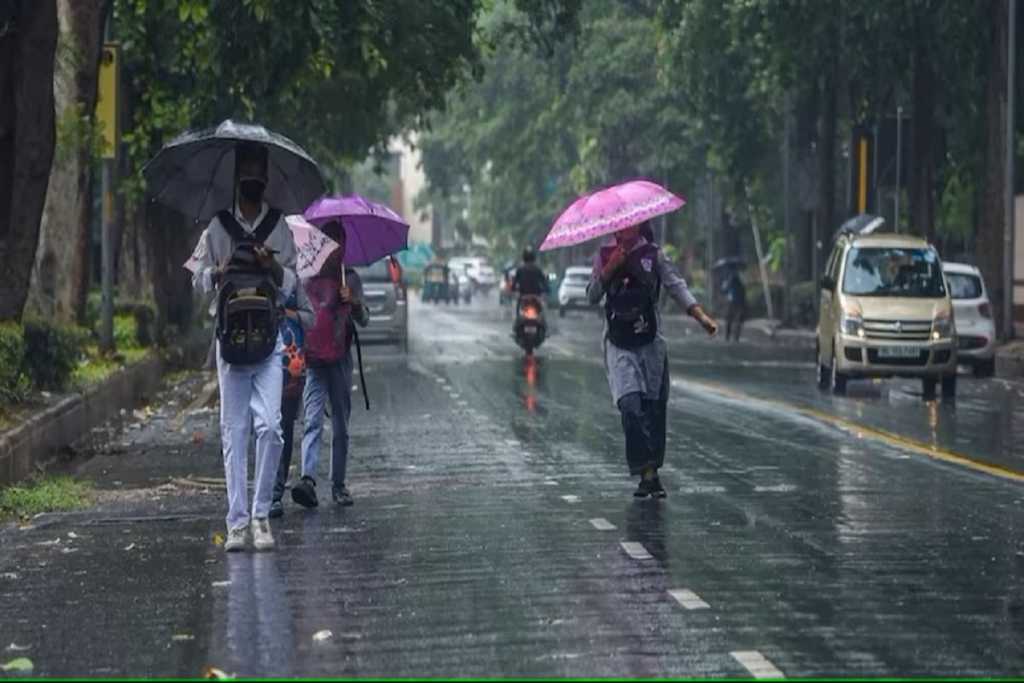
x=372, y=230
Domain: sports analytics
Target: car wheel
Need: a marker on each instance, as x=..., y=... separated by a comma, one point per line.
x=838, y=378
x=985, y=368
x=928, y=388
x=949, y=387
x=824, y=372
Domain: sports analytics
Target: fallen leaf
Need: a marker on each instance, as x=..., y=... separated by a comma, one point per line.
x=198, y=437
x=321, y=636
x=72, y=534
x=180, y=637
x=19, y=664
x=14, y=647
x=221, y=584
x=218, y=539
x=129, y=547
x=214, y=672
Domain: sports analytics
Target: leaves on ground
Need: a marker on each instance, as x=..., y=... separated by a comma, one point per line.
x=21, y=664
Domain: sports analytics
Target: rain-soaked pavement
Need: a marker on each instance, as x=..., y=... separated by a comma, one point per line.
x=494, y=531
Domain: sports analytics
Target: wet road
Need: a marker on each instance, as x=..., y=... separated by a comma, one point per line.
x=494, y=530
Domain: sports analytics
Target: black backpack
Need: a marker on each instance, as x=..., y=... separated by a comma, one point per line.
x=631, y=301
x=248, y=314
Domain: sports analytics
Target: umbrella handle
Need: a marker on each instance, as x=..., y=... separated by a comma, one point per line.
x=343, y=274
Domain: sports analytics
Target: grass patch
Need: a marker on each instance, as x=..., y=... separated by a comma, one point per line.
x=97, y=367
x=48, y=494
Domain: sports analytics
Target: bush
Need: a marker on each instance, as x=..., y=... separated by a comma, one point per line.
x=14, y=382
x=52, y=352
x=804, y=307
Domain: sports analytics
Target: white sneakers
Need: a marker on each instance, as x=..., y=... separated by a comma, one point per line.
x=236, y=539
x=262, y=538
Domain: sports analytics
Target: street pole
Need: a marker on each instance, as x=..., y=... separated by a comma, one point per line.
x=899, y=158
x=1008, y=224
x=874, y=169
x=787, y=312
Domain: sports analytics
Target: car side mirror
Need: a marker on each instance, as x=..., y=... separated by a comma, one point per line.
x=828, y=283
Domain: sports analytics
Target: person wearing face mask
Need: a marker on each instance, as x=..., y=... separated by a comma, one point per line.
x=250, y=392
x=629, y=276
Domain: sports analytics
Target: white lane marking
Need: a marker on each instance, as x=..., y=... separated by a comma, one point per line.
x=636, y=550
x=601, y=524
x=702, y=489
x=688, y=599
x=756, y=663
x=550, y=482
x=777, y=488
x=571, y=499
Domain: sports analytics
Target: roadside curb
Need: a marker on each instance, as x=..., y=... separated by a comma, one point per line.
x=38, y=440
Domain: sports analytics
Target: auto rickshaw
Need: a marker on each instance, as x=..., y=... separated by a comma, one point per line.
x=435, y=283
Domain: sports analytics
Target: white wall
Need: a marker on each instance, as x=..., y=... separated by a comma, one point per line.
x=411, y=181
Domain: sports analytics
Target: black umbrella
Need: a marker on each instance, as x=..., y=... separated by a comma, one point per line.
x=195, y=172
x=729, y=262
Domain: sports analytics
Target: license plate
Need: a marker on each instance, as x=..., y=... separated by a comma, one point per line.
x=899, y=352
x=530, y=329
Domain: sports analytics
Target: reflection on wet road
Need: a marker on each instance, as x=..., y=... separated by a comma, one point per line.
x=494, y=531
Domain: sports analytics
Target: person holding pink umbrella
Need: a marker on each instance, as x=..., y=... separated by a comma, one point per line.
x=629, y=275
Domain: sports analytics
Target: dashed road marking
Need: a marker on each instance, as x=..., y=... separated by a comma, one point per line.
x=757, y=664
x=688, y=599
x=601, y=524
x=550, y=482
x=636, y=550
x=572, y=500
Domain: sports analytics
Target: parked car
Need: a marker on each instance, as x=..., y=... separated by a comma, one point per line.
x=972, y=312
x=479, y=271
x=572, y=294
x=389, y=319
x=885, y=311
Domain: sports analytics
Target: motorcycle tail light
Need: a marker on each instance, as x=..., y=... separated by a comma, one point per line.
x=985, y=310
x=530, y=313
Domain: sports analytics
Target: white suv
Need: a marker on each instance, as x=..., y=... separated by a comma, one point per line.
x=972, y=314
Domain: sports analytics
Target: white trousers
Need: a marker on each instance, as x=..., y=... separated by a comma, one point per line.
x=250, y=394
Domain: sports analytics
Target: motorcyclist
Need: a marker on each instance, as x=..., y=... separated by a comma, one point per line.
x=529, y=279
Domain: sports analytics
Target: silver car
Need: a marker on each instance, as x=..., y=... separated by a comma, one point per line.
x=389, y=321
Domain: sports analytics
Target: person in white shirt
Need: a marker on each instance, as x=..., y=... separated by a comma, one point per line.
x=249, y=393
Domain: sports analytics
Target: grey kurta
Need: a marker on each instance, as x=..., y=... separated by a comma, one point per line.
x=641, y=369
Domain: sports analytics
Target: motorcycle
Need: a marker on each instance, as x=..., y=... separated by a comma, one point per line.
x=530, y=327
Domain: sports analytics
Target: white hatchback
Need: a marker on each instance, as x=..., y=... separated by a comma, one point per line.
x=972, y=314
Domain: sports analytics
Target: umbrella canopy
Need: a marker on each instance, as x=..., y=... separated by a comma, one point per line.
x=195, y=172
x=729, y=262
x=312, y=246
x=372, y=230
x=610, y=210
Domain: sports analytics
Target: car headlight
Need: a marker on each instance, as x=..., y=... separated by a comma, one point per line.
x=942, y=327
x=852, y=325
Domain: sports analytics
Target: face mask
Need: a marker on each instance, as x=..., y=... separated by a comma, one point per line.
x=252, y=189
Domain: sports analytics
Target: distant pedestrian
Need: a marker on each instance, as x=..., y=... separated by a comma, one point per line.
x=298, y=317
x=736, y=294
x=629, y=276
x=247, y=255
x=337, y=301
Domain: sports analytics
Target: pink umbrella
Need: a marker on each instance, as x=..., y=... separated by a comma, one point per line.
x=609, y=210
x=312, y=247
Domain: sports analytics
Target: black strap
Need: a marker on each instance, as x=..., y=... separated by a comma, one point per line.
x=359, y=356
x=259, y=235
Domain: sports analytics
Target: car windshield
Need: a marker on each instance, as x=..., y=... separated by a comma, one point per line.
x=378, y=272
x=577, y=278
x=964, y=286
x=893, y=271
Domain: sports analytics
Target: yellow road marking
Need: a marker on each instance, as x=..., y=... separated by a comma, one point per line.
x=890, y=438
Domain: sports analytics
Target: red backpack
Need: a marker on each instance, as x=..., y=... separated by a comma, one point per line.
x=330, y=337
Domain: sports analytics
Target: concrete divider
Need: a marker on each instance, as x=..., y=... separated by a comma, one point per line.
x=39, y=439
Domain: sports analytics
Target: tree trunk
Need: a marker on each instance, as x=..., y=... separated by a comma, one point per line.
x=991, y=226
x=60, y=278
x=922, y=147
x=826, y=151
x=27, y=138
